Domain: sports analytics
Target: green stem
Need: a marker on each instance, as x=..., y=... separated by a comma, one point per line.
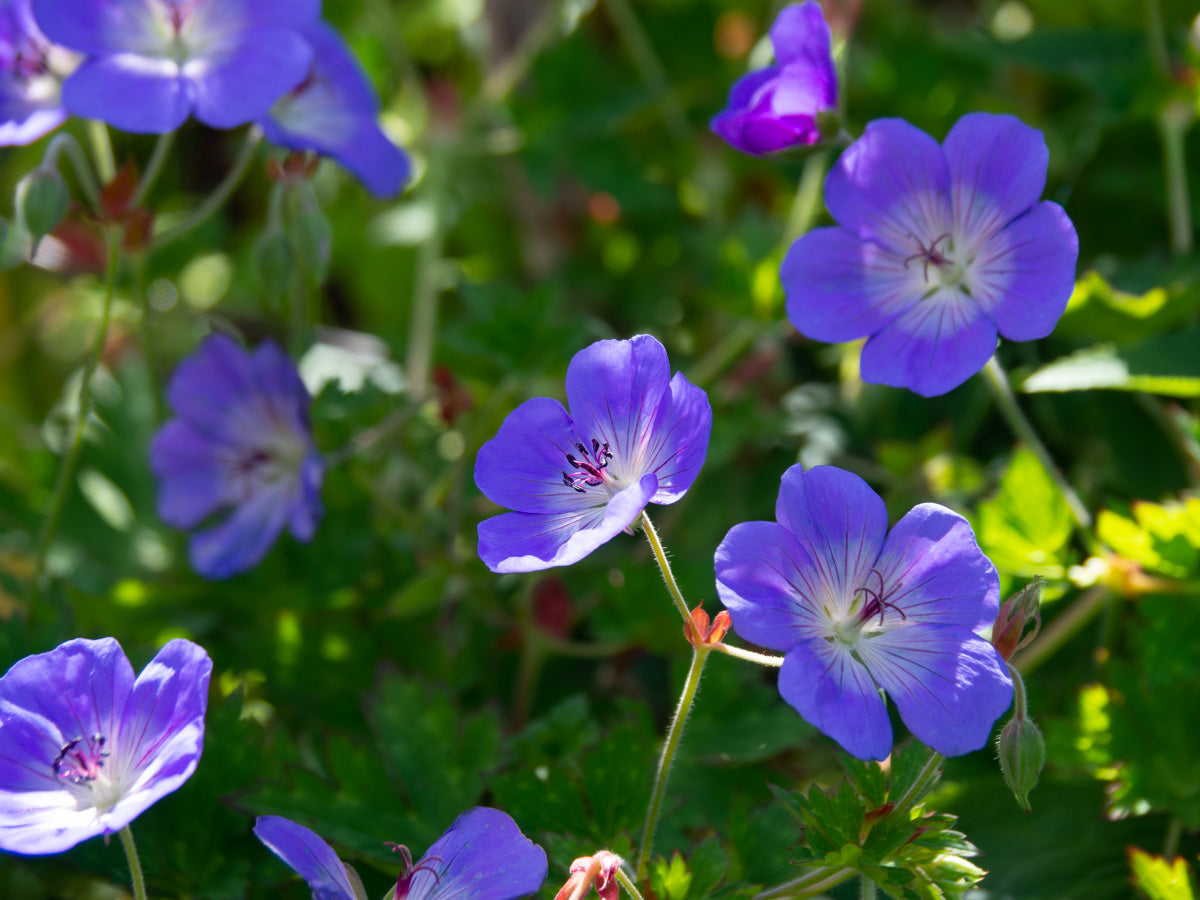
x=65, y=142
x=627, y=883
x=763, y=659
x=162, y=149
x=150, y=345
x=664, y=566
x=997, y=380
x=1020, y=703
x=1064, y=627
x=66, y=469
x=867, y=889
x=1173, y=124
x=106, y=167
x=423, y=324
x=807, y=204
x=815, y=882
x=670, y=748
x=1171, y=843
x=135, y=864
x=217, y=198
x=915, y=790
x=633, y=36
x=505, y=76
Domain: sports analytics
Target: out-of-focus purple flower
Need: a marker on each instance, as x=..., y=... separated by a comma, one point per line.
x=634, y=435
x=857, y=610
x=777, y=107
x=85, y=748
x=482, y=856
x=334, y=111
x=241, y=444
x=31, y=73
x=151, y=63
x=938, y=248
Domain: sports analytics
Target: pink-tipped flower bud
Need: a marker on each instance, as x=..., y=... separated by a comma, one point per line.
x=1023, y=607
x=599, y=869
x=1022, y=757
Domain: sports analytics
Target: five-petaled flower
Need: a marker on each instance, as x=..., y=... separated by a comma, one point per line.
x=634, y=435
x=241, y=444
x=31, y=73
x=334, y=111
x=857, y=610
x=151, y=63
x=85, y=748
x=482, y=856
x=777, y=107
x=937, y=249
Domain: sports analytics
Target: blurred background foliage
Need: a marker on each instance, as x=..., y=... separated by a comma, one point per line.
x=377, y=682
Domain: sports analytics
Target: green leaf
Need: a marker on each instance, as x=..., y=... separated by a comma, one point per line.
x=1159, y=879
x=1162, y=538
x=1025, y=527
x=1165, y=364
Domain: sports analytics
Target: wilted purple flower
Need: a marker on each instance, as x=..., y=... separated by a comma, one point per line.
x=482, y=856
x=858, y=610
x=334, y=111
x=777, y=107
x=241, y=444
x=85, y=749
x=151, y=63
x=938, y=249
x=634, y=435
x=31, y=73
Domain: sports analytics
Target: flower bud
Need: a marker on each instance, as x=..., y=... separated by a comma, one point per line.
x=273, y=261
x=1023, y=607
x=42, y=200
x=1022, y=757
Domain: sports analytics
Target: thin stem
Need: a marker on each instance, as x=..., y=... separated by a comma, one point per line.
x=505, y=76
x=217, y=198
x=810, y=885
x=867, y=889
x=65, y=142
x=1064, y=627
x=807, y=204
x=927, y=774
x=66, y=469
x=372, y=435
x=135, y=864
x=1173, y=123
x=763, y=659
x=670, y=748
x=1020, y=701
x=997, y=380
x=162, y=149
x=106, y=167
x=1171, y=843
x=423, y=323
x=150, y=345
x=664, y=566
x=633, y=36
x=627, y=882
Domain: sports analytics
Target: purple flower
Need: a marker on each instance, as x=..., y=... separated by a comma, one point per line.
x=85, y=749
x=151, y=63
x=333, y=111
x=858, y=610
x=482, y=856
x=31, y=73
x=778, y=107
x=634, y=435
x=240, y=444
x=937, y=250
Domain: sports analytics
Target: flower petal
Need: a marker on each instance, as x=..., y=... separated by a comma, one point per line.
x=528, y=542
x=129, y=92
x=97, y=26
x=483, y=854
x=935, y=573
x=834, y=692
x=249, y=76
x=308, y=856
x=674, y=448
x=242, y=540
x=997, y=171
x=191, y=479
x=764, y=578
x=841, y=288
x=949, y=684
x=840, y=522
x=799, y=34
x=1026, y=272
x=932, y=348
x=210, y=386
x=890, y=185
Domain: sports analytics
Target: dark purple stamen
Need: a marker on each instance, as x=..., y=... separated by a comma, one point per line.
x=588, y=471
x=877, y=602
x=79, y=765
x=408, y=870
x=929, y=254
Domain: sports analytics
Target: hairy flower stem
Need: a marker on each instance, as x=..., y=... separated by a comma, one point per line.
x=763, y=659
x=135, y=864
x=816, y=881
x=664, y=566
x=670, y=748
x=928, y=774
x=217, y=198
x=106, y=168
x=162, y=149
x=627, y=882
x=66, y=469
x=997, y=380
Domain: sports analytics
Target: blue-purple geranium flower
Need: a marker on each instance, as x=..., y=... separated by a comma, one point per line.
x=858, y=610
x=938, y=248
x=85, y=748
x=634, y=435
x=240, y=445
x=777, y=107
x=334, y=111
x=31, y=74
x=482, y=856
x=152, y=63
